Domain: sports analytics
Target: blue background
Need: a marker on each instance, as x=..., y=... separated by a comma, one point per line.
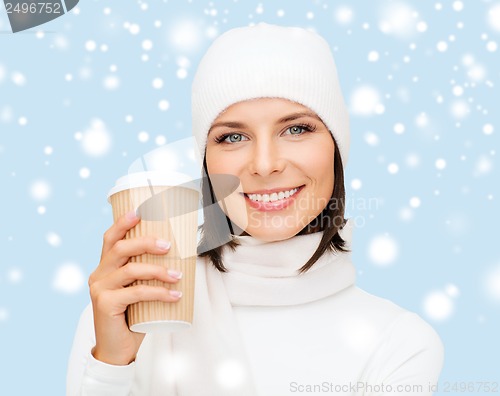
x=440, y=250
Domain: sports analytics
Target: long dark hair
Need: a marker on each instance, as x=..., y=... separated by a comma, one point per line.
x=331, y=220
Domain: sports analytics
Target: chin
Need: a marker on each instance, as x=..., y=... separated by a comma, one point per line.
x=272, y=234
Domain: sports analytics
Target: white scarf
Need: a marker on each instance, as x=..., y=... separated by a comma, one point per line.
x=209, y=359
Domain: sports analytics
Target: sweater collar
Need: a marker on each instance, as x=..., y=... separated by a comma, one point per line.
x=266, y=273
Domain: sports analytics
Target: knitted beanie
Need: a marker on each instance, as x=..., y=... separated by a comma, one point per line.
x=267, y=60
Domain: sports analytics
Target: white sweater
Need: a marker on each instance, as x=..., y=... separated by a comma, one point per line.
x=311, y=334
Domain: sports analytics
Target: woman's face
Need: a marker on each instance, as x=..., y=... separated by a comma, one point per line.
x=282, y=154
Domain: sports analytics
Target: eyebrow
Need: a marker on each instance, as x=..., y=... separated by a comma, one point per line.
x=287, y=118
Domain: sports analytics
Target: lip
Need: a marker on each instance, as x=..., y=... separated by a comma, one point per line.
x=275, y=190
x=273, y=206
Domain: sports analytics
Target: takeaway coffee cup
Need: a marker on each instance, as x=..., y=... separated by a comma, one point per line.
x=167, y=204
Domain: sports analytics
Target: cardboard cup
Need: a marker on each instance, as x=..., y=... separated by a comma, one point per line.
x=168, y=207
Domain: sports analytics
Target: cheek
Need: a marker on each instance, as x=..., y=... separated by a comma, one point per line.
x=320, y=167
x=328, y=172
x=222, y=169
x=321, y=170
x=211, y=161
x=222, y=162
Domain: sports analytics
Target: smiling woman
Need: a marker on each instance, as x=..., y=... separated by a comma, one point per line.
x=272, y=157
x=276, y=307
x=287, y=162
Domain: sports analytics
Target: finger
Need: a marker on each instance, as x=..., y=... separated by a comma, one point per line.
x=118, y=230
x=108, y=304
x=131, y=272
x=124, y=249
x=134, y=294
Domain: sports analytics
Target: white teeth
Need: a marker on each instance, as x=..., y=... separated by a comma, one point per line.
x=273, y=197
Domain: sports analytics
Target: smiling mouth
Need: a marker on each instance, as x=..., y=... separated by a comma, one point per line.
x=274, y=196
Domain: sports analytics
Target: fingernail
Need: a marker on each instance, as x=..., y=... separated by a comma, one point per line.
x=175, y=293
x=131, y=216
x=162, y=244
x=175, y=274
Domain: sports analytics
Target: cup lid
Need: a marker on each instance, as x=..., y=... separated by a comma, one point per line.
x=153, y=178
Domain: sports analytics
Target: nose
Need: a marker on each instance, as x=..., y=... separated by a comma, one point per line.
x=266, y=158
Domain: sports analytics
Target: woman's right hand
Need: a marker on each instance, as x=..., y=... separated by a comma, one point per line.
x=115, y=343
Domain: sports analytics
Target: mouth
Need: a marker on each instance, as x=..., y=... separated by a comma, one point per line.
x=270, y=200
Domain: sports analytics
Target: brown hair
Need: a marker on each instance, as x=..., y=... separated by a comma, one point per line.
x=331, y=220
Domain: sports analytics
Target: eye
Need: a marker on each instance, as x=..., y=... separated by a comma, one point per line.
x=298, y=130
x=230, y=138
x=234, y=137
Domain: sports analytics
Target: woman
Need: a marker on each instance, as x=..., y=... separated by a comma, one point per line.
x=277, y=311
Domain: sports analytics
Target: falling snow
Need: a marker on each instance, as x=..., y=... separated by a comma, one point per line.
x=398, y=19
x=111, y=82
x=68, y=279
x=147, y=45
x=383, y=250
x=356, y=184
x=185, y=35
x=421, y=85
x=440, y=164
x=366, y=101
x=373, y=56
x=53, y=239
x=90, y=45
x=40, y=190
x=393, y=168
x=96, y=140
x=371, y=139
x=494, y=17
x=344, y=15
x=157, y=83
x=438, y=305
x=492, y=284
x=84, y=173
x=163, y=105
x=2, y=73
x=399, y=128
x=4, y=314
x=488, y=129
x=15, y=275
x=414, y=202
x=19, y=79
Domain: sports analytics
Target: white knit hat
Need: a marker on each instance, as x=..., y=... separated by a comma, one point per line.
x=269, y=61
